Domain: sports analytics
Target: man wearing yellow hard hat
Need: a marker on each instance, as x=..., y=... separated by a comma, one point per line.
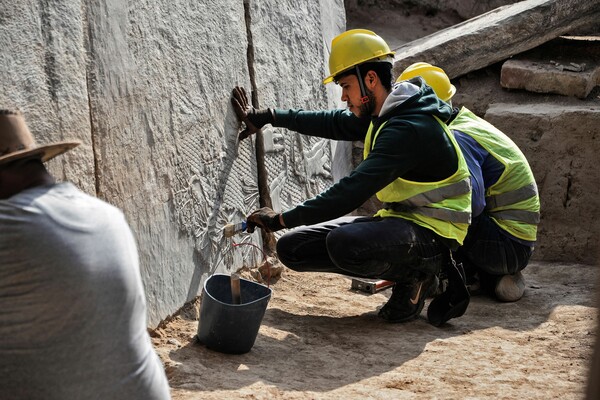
x=506, y=204
x=411, y=162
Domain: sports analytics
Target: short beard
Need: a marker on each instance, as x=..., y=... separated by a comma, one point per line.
x=366, y=109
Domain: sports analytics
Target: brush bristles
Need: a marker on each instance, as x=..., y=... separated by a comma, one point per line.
x=229, y=230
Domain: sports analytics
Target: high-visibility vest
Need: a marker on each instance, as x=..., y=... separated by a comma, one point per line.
x=513, y=201
x=443, y=206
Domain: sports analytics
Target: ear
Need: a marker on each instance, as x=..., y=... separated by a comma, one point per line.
x=371, y=79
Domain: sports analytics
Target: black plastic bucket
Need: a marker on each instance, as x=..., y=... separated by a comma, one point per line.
x=227, y=327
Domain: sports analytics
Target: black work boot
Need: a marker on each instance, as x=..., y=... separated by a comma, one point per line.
x=408, y=298
x=454, y=301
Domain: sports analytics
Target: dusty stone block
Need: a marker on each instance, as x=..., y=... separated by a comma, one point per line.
x=298, y=166
x=550, y=77
x=43, y=73
x=167, y=151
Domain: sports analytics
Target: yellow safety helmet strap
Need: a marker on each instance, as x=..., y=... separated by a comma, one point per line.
x=363, y=91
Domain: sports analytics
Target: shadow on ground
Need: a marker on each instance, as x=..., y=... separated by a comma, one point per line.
x=307, y=344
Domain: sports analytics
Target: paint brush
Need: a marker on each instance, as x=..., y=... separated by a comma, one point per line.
x=231, y=229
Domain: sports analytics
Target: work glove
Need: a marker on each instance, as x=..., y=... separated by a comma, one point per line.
x=253, y=118
x=264, y=218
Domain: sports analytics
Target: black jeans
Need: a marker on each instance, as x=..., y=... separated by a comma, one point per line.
x=486, y=248
x=384, y=248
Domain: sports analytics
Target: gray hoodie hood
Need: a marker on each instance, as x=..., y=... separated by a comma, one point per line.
x=401, y=92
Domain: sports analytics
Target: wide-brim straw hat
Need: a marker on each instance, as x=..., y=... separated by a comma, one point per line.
x=17, y=142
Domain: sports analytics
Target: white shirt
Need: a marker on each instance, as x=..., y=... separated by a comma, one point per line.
x=72, y=305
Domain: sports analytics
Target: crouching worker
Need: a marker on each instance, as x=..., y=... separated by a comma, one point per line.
x=411, y=162
x=506, y=204
x=72, y=305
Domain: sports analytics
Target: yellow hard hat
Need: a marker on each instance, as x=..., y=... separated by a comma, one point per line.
x=355, y=47
x=433, y=76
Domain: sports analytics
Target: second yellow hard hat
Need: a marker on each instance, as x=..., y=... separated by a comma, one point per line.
x=433, y=76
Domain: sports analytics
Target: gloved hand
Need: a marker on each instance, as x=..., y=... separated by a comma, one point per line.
x=253, y=118
x=264, y=218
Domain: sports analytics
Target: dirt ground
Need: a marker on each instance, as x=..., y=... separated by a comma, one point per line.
x=321, y=340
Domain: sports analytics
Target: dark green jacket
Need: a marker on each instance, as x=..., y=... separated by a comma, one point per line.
x=412, y=145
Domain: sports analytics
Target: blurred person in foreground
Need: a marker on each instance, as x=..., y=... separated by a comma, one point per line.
x=72, y=305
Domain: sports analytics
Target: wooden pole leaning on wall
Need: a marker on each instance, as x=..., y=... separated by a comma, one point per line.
x=264, y=193
x=236, y=292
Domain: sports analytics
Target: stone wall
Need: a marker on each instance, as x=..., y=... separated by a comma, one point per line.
x=145, y=86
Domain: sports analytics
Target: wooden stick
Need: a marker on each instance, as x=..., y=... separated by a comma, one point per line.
x=236, y=295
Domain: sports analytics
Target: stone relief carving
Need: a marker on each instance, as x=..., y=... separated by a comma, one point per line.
x=306, y=174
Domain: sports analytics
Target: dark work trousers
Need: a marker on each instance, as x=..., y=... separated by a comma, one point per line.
x=486, y=248
x=384, y=248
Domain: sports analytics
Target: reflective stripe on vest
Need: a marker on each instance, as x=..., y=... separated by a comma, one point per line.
x=512, y=197
x=530, y=217
x=443, y=207
x=420, y=202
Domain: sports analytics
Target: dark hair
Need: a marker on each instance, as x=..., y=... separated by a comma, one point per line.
x=382, y=69
x=9, y=112
x=22, y=162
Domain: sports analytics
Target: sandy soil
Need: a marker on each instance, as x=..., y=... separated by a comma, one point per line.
x=321, y=340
